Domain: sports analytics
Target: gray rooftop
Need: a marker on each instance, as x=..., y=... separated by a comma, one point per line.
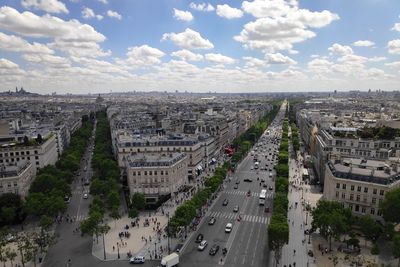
x=154, y=160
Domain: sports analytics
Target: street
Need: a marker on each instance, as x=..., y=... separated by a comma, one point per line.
x=247, y=243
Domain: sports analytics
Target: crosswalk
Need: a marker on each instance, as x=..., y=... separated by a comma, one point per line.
x=253, y=194
x=80, y=218
x=245, y=218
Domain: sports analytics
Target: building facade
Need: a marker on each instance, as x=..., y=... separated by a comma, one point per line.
x=17, y=178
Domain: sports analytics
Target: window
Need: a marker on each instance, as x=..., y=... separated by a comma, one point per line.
x=36, y=151
x=150, y=173
x=363, y=210
x=27, y=152
x=374, y=191
x=337, y=194
x=134, y=173
x=343, y=195
x=17, y=153
x=373, y=200
x=36, y=157
x=365, y=189
x=351, y=207
x=358, y=198
x=365, y=199
x=343, y=186
x=37, y=162
x=166, y=172
x=379, y=213
x=145, y=172
x=359, y=188
x=162, y=172
x=155, y=172
x=381, y=192
x=357, y=208
x=352, y=188
x=138, y=173
x=11, y=154
x=372, y=211
x=351, y=196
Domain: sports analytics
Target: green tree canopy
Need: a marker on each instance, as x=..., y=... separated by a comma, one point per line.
x=390, y=206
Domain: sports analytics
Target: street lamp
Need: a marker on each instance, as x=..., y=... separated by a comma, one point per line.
x=118, y=250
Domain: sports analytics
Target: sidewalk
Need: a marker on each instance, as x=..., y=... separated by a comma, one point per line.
x=149, y=241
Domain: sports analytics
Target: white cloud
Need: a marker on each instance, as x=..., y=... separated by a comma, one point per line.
x=48, y=60
x=228, y=12
x=219, y=59
x=182, y=15
x=88, y=13
x=395, y=64
x=278, y=58
x=252, y=62
x=139, y=56
x=396, y=27
x=7, y=64
x=9, y=71
x=51, y=6
x=31, y=25
x=17, y=44
x=280, y=24
x=365, y=43
x=207, y=7
x=103, y=1
x=189, y=39
x=187, y=55
x=394, y=46
x=377, y=59
x=114, y=14
x=340, y=49
x=80, y=49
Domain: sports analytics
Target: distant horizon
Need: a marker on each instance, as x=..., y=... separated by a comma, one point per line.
x=76, y=46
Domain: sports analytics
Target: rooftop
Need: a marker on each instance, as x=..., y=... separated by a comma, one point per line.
x=154, y=160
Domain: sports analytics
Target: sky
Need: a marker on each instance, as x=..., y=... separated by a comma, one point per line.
x=102, y=46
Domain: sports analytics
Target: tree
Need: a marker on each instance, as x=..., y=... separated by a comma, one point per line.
x=396, y=247
x=331, y=219
x=11, y=255
x=370, y=229
x=39, y=139
x=113, y=199
x=278, y=235
x=133, y=213
x=138, y=201
x=390, y=206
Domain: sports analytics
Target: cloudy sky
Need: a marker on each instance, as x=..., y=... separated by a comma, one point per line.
x=81, y=46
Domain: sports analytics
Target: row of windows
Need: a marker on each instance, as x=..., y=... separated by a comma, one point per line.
x=152, y=181
x=352, y=188
x=358, y=198
x=357, y=208
x=9, y=184
x=177, y=149
x=149, y=173
x=17, y=153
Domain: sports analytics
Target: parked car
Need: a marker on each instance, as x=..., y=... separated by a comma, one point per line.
x=228, y=228
x=203, y=244
x=214, y=249
x=248, y=180
x=236, y=186
x=199, y=238
x=85, y=196
x=137, y=259
x=225, y=203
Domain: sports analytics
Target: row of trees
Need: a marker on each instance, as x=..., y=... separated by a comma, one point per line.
x=105, y=181
x=246, y=140
x=52, y=183
x=186, y=212
x=295, y=137
x=278, y=229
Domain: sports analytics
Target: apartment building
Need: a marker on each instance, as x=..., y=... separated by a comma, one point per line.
x=16, y=178
x=39, y=155
x=360, y=184
x=127, y=144
x=156, y=174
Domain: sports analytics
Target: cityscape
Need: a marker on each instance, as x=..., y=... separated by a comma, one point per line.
x=183, y=133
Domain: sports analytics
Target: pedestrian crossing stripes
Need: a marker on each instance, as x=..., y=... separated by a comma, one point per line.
x=253, y=194
x=80, y=218
x=245, y=218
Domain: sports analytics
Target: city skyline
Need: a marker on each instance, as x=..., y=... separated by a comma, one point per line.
x=99, y=46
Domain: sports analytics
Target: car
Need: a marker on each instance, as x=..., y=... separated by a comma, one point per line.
x=137, y=259
x=262, y=181
x=199, y=238
x=236, y=208
x=248, y=180
x=67, y=199
x=203, y=244
x=251, y=168
x=265, y=185
x=225, y=203
x=237, y=181
x=270, y=187
x=87, y=182
x=178, y=248
x=213, y=250
x=211, y=221
x=228, y=228
x=85, y=196
x=10, y=238
x=236, y=186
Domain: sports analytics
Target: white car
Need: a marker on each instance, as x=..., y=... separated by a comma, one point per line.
x=86, y=196
x=203, y=244
x=137, y=259
x=228, y=228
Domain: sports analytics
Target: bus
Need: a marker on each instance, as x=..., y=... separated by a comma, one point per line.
x=263, y=194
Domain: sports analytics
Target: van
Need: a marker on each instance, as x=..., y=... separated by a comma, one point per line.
x=228, y=228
